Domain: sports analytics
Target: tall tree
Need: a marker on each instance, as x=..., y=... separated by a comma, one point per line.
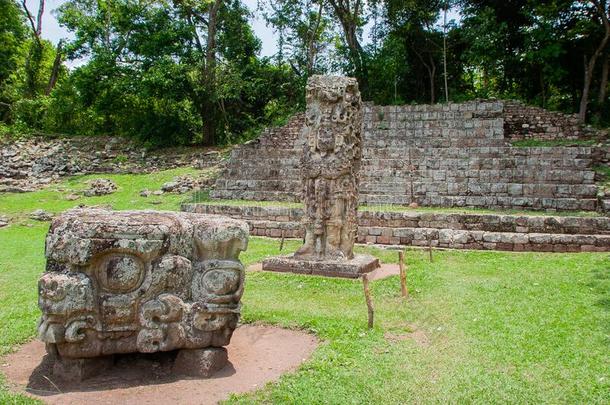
x=350, y=14
x=601, y=9
x=304, y=33
x=12, y=35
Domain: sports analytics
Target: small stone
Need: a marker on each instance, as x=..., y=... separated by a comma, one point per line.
x=200, y=362
x=77, y=370
x=145, y=193
x=414, y=205
x=41, y=215
x=72, y=197
x=158, y=192
x=99, y=187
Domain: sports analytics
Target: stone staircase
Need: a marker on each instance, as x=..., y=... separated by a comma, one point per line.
x=453, y=155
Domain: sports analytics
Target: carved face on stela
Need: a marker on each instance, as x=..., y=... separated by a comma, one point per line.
x=332, y=103
x=120, y=282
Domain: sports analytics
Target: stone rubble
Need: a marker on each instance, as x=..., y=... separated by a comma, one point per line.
x=98, y=187
x=41, y=215
x=31, y=163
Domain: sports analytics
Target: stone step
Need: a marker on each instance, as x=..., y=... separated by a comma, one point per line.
x=454, y=230
x=474, y=188
x=254, y=195
x=481, y=240
x=536, y=203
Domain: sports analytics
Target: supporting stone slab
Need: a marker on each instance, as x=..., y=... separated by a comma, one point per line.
x=200, y=362
x=78, y=370
x=354, y=268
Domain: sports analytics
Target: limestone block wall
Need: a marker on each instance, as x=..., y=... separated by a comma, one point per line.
x=457, y=231
x=527, y=122
x=453, y=155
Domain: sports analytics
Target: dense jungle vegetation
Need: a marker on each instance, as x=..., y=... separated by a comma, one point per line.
x=172, y=72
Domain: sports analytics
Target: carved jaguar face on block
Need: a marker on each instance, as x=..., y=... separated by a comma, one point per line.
x=140, y=281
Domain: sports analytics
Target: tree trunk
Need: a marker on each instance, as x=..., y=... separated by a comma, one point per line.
x=348, y=16
x=34, y=59
x=209, y=114
x=432, y=73
x=311, y=46
x=445, y=54
x=55, y=69
x=603, y=88
x=590, y=64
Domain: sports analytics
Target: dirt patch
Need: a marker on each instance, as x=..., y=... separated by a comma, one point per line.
x=386, y=270
x=418, y=336
x=257, y=355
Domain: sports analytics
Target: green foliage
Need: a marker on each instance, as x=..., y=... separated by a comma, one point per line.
x=149, y=73
x=529, y=143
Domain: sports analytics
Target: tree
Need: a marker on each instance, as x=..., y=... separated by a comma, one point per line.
x=12, y=35
x=601, y=10
x=349, y=13
x=304, y=33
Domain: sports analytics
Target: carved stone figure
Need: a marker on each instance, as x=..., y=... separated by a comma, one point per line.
x=140, y=281
x=330, y=166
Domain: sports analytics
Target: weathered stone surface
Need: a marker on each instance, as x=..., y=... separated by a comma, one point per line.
x=330, y=165
x=352, y=268
x=77, y=370
x=140, y=281
x=454, y=155
x=184, y=184
x=41, y=215
x=459, y=230
x=99, y=187
x=30, y=163
x=200, y=362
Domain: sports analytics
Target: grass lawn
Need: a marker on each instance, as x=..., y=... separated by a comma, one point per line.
x=479, y=327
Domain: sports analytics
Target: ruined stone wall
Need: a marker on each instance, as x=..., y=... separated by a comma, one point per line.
x=453, y=155
x=457, y=231
x=527, y=122
x=30, y=163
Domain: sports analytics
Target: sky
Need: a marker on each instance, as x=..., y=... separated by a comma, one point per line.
x=52, y=31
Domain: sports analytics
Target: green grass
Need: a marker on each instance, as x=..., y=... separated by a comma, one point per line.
x=53, y=198
x=203, y=198
x=479, y=327
x=535, y=143
x=604, y=171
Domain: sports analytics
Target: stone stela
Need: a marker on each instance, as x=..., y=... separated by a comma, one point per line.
x=140, y=282
x=330, y=165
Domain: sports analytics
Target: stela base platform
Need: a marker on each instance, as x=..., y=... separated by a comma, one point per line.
x=353, y=268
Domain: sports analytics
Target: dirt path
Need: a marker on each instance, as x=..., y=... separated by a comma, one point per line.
x=257, y=355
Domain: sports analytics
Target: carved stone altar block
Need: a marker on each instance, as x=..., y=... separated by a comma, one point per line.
x=138, y=281
x=330, y=165
x=353, y=268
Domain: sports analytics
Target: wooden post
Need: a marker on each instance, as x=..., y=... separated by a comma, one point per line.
x=369, y=302
x=282, y=241
x=403, y=274
x=430, y=248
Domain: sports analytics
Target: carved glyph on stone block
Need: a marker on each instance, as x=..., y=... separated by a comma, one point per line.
x=330, y=165
x=139, y=281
